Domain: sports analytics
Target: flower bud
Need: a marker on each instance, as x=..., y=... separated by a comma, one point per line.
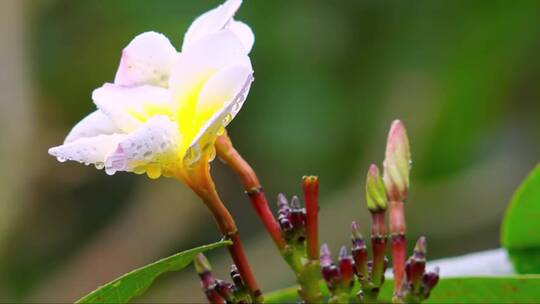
x=416, y=265
x=359, y=253
x=345, y=267
x=298, y=215
x=329, y=271
x=201, y=264
x=237, y=279
x=284, y=212
x=375, y=190
x=283, y=205
x=356, y=236
x=397, y=163
x=420, y=249
x=430, y=279
x=225, y=290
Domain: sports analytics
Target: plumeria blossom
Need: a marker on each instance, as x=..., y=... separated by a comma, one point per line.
x=165, y=108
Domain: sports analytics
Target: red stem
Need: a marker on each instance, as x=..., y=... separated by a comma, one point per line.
x=240, y=260
x=398, y=242
x=252, y=186
x=200, y=181
x=378, y=242
x=311, y=196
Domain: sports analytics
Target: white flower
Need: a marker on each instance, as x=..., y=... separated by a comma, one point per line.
x=165, y=108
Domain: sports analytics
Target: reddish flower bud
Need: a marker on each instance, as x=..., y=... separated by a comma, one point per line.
x=298, y=215
x=359, y=253
x=345, y=267
x=397, y=163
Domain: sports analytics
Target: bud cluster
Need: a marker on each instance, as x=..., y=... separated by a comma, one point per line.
x=295, y=233
x=339, y=278
x=292, y=219
x=220, y=291
x=418, y=283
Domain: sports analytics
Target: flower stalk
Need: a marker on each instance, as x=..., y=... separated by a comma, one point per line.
x=199, y=179
x=397, y=165
x=311, y=196
x=230, y=156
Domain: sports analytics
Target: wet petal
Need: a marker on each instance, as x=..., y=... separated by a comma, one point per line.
x=129, y=107
x=243, y=32
x=94, y=124
x=88, y=150
x=210, y=22
x=152, y=148
x=204, y=58
x=147, y=59
x=234, y=83
x=197, y=65
x=229, y=85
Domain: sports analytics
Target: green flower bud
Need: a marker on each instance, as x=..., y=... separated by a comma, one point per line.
x=375, y=190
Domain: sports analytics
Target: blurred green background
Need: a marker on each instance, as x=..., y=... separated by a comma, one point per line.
x=330, y=78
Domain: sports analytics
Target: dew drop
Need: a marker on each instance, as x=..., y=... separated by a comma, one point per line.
x=139, y=170
x=193, y=155
x=99, y=165
x=227, y=119
x=212, y=151
x=153, y=171
x=110, y=171
x=61, y=159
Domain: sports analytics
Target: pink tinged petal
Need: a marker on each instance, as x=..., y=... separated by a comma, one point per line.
x=243, y=32
x=210, y=22
x=94, y=124
x=87, y=150
x=129, y=107
x=203, y=59
x=147, y=59
x=234, y=83
x=152, y=148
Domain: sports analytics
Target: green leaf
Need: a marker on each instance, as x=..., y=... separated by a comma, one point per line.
x=515, y=289
x=136, y=282
x=521, y=226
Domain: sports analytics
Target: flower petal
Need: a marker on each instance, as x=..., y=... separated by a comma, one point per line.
x=227, y=89
x=88, y=150
x=147, y=59
x=212, y=21
x=243, y=32
x=94, y=124
x=198, y=64
x=229, y=85
x=152, y=148
x=129, y=107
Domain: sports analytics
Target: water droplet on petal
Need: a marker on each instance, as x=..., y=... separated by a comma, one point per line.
x=212, y=151
x=193, y=155
x=227, y=119
x=61, y=159
x=99, y=165
x=153, y=171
